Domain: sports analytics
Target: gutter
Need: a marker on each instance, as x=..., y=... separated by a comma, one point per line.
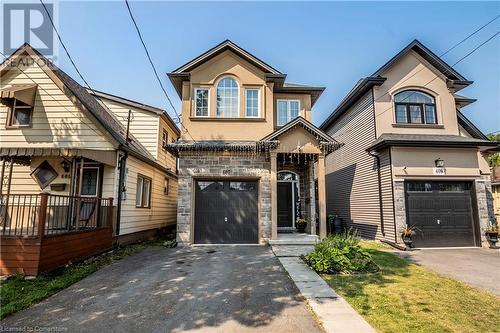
x=379, y=178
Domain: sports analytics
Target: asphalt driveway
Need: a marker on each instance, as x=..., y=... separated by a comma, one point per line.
x=477, y=267
x=202, y=289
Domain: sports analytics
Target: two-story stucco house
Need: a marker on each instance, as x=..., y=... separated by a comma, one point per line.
x=78, y=168
x=249, y=156
x=410, y=157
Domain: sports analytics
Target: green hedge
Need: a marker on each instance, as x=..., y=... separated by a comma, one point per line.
x=340, y=254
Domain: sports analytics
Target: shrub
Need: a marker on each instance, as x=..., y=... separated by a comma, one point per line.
x=340, y=254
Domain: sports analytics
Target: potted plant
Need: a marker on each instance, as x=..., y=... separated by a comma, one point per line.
x=407, y=236
x=492, y=234
x=301, y=224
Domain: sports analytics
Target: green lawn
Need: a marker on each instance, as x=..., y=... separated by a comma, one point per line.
x=18, y=293
x=404, y=297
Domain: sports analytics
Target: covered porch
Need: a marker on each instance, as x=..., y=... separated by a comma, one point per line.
x=52, y=209
x=298, y=189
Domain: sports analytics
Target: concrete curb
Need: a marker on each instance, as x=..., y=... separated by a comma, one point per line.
x=334, y=313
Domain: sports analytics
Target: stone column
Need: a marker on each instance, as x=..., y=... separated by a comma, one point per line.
x=312, y=199
x=274, y=196
x=321, y=196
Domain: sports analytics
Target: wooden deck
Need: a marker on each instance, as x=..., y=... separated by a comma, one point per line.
x=35, y=242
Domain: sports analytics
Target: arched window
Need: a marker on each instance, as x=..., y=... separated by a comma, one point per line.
x=287, y=176
x=227, y=98
x=415, y=107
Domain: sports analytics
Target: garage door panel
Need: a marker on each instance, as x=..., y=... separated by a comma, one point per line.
x=226, y=213
x=441, y=212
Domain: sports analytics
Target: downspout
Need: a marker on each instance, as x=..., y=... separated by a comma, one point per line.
x=379, y=192
x=121, y=166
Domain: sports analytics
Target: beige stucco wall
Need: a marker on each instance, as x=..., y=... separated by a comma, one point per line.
x=413, y=72
x=208, y=75
x=298, y=141
x=418, y=162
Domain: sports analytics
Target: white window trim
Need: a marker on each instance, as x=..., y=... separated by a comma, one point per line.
x=208, y=101
x=258, y=102
x=97, y=181
x=239, y=97
x=289, y=118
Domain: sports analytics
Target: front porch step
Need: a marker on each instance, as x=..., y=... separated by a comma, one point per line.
x=294, y=239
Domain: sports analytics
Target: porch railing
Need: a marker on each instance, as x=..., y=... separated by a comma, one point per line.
x=48, y=214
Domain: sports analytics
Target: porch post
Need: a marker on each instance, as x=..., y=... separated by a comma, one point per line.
x=321, y=196
x=312, y=199
x=274, y=197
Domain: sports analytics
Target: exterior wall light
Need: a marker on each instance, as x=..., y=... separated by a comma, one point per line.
x=439, y=163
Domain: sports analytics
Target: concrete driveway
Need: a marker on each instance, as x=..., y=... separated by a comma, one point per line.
x=202, y=289
x=477, y=267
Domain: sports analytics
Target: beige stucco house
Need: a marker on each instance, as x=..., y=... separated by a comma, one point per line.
x=75, y=162
x=249, y=157
x=410, y=157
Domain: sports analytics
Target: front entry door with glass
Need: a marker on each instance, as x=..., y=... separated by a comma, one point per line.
x=288, y=196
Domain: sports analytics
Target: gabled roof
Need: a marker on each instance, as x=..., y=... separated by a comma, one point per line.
x=359, y=89
x=139, y=105
x=426, y=140
x=469, y=127
x=302, y=122
x=428, y=55
x=454, y=79
x=182, y=73
x=95, y=110
x=218, y=49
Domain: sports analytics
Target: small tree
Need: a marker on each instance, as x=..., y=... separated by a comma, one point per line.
x=494, y=159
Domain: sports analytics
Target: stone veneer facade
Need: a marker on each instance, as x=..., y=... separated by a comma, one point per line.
x=483, y=197
x=229, y=165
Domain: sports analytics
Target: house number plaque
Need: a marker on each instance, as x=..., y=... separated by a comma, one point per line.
x=226, y=172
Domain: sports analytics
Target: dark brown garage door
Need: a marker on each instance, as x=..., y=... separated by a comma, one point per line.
x=442, y=212
x=226, y=212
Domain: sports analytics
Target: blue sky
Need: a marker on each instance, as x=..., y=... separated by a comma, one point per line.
x=331, y=44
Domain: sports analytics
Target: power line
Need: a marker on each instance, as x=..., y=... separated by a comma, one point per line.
x=477, y=48
x=460, y=60
x=73, y=62
x=446, y=52
x=472, y=34
x=155, y=71
x=64, y=46
x=82, y=118
x=456, y=63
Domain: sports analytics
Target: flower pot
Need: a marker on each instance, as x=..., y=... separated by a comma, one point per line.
x=301, y=228
x=408, y=242
x=492, y=239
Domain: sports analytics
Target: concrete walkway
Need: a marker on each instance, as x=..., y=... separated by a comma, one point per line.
x=197, y=289
x=335, y=314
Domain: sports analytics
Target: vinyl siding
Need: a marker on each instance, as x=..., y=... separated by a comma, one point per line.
x=57, y=122
x=164, y=157
x=143, y=124
x=163, y=209
x=387, y=201
x=351, y=174
x=23, y=183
